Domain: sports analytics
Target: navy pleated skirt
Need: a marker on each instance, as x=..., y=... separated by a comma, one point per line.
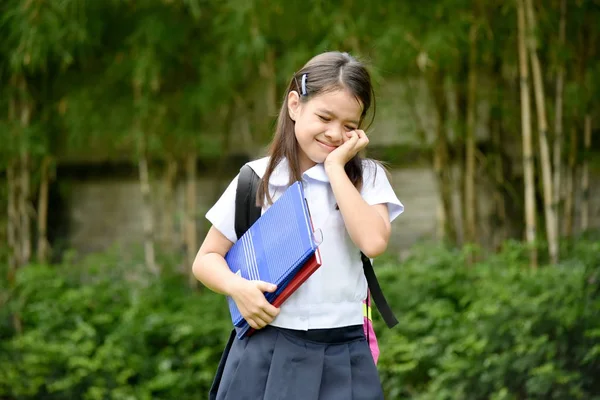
x=276, y=363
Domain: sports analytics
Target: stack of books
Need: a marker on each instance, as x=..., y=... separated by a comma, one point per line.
x=279, y=248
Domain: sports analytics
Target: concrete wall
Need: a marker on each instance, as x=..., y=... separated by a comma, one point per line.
x=103, y=212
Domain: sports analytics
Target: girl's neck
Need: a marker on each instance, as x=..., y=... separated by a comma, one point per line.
x=305, y=164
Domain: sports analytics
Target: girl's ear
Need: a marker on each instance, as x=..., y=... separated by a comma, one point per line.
x=293, y=102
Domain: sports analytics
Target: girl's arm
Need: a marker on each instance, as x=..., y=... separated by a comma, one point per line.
x=368, y=225
x=212, y=270
x=210, y=267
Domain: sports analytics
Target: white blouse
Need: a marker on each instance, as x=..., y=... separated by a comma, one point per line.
x=332, y=297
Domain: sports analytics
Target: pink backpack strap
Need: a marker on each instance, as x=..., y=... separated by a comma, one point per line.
x=368, y=328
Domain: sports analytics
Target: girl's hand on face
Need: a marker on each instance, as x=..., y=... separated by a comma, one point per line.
x=254, y=307
x=354, y=142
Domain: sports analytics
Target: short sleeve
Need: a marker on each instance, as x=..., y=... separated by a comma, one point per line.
x=377, y=189
x=222, y=213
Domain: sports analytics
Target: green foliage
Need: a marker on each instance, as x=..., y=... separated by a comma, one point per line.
x=101, y=334
x=495, y=331
x=42, y=33
x=107, y=72
x=104, y=329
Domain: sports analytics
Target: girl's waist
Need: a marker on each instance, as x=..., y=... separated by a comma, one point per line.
x=327, y=315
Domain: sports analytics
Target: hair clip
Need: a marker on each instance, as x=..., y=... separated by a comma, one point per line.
x=304, y=92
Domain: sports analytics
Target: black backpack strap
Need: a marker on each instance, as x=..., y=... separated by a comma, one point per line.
x=246, y=210
x=378, y=297
x=246, y=213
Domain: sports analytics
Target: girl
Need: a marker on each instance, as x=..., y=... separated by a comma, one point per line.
x=313, y=346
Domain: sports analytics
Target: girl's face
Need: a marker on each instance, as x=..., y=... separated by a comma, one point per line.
x=322, y=123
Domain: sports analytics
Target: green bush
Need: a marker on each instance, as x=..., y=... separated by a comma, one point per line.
x=103, y=329
x=101, y=335
x=497, y=330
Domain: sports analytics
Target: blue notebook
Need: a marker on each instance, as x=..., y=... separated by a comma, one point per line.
x=275, y=247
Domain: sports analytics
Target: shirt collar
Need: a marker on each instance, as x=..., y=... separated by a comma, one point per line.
x=281, y=174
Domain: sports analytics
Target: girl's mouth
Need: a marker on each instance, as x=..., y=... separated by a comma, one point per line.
x=326, y=146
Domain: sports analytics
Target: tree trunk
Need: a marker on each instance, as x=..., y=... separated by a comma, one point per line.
x=470, y=200
x=587, y=136
x=43, y=248
x=191, y=239
x=24, y=207
x=14, y=255
x=499, y=233
x=12, y=225
x=570, y=186
x=24, y=200
x=147, y=218
x=268, y=72
x=462, y=101
x=441, y=159
x=170, y=183
x=558, y=121
x=413, y=107
x=585, y=178
x=545, y=158
x=528, y=170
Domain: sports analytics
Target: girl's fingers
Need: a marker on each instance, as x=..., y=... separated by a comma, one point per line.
x=349, y=144
x=252, y=323
x=363, y=140
x=261, y=323
x=270, y=310
x=264, y=316
x=354, y=138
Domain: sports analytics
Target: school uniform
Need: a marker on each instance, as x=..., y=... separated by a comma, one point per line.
x=315, y=349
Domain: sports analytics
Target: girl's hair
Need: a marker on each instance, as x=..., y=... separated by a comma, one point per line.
x=325, y=72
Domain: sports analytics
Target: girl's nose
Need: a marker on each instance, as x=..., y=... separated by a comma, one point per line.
x=335, y=135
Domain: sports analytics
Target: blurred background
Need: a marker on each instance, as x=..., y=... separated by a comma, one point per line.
x=122, y=122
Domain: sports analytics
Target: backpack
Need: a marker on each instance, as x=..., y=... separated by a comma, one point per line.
x=247, y=212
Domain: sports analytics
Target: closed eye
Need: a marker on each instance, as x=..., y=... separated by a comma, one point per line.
x=324, y=119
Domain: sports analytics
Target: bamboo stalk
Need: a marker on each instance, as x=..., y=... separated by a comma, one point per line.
x=13, y=222
x=570, y=186
x=500, y=204
x=168, y=229
x=528, y=170
x=43, y=248
x=12, y=226
x=558, y=120
x=411, y=100
x=470, y=199
x=24, y=209
x=145, y=188
x=147, y=219
x=460, y=148
x=441, y=159
x=24, y=205
x=545, y=158
x=268, y=72
x=587, y=142
x=585, y=178
x=441, y=167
